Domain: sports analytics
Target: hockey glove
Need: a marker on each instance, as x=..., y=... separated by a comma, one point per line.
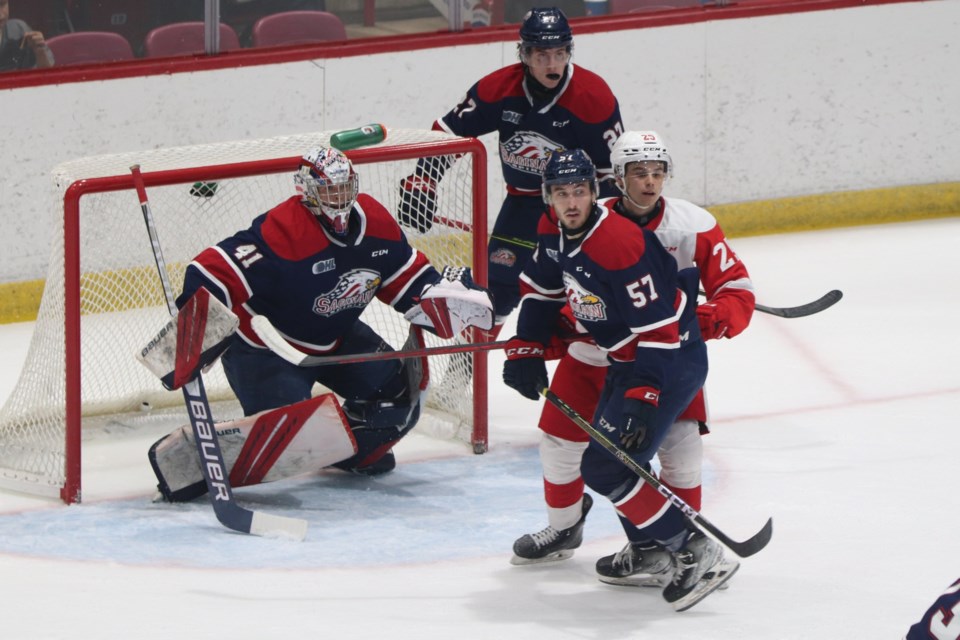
x=636, y=424
x=418, y=202
x=714, y=323
x=525, y=369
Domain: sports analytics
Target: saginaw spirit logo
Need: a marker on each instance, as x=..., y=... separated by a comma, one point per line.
x=527, y=151
x=355, y=288
x=584, y=305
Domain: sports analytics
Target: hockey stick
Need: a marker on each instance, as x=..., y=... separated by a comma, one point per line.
x=825, y=301
x=742, y=549
x=822, y=303
x=228, y=512
x=275, y=342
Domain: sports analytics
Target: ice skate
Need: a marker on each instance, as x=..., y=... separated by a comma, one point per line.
x=644, y=564
x=382, y=465
x=701, y=569
x=551, y=545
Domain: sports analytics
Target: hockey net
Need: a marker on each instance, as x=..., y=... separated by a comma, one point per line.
x=103, y=301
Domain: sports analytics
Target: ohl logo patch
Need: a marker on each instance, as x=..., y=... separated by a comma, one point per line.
x=503, y=256
x=355, y=288
x=527, y=151
x=584, y=304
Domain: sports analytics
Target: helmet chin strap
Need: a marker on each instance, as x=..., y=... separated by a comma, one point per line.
x=640, y=207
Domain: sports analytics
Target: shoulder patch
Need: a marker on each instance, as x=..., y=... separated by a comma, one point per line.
x=616, y=243
x=502, y=83
x=291, y=231
x=547, y=226
x=588, y=97
x=683, y=214
x=380, y=224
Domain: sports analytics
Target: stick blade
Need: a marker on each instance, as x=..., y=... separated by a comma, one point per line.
x=273, y=526
x=751, y=546
x=275, y=342
x=821, y=304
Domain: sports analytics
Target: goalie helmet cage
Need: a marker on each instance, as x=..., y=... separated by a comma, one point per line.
x=103, y=301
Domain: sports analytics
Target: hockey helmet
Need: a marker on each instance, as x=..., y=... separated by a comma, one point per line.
x=328, y=186
x=639, y=146
x=546, y=29
x=569, y=166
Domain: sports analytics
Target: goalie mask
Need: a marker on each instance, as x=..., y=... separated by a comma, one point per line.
x=639, y=146
x=328, y=186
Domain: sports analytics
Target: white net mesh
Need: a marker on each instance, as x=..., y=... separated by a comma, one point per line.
x=122, y=304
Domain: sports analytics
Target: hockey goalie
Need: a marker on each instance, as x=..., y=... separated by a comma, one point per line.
x=309, y=266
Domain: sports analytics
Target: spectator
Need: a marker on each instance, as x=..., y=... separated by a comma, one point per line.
x=20, y=46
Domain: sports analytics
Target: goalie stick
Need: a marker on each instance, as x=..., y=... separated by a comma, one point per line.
x=743, y=549
x=275, y=342
x=228, y=512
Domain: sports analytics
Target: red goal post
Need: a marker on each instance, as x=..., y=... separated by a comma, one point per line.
x=101, y=303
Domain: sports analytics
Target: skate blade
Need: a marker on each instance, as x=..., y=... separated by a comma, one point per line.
x=556, y=556
x=645, y=580
x=710, y=582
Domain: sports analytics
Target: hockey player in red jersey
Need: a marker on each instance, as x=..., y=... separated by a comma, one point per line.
x=311, y=265
x=541, y=104
x=624, y=288
x=691, y=234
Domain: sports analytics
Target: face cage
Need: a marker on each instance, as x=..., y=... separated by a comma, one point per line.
x=336, y=214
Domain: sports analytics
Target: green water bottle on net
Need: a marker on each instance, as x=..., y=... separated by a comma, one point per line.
x=359, y=137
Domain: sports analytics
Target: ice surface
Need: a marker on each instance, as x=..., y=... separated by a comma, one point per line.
x=841, y=426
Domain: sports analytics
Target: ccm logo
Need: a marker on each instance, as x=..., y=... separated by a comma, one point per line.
x=525, y=351
x=381, y=252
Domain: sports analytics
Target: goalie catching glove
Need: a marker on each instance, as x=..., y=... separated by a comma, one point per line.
x=453, y=304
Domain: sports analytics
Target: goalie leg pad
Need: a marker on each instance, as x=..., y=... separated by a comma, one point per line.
x=271, y=445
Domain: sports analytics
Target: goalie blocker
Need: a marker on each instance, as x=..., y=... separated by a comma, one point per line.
x=204, y=325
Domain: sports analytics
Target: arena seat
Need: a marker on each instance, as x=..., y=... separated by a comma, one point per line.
x=185, y=38
x=643, y=6
x=297, y=27
x=86, y=47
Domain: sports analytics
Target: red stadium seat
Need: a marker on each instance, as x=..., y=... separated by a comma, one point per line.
x=297, y=27
x=185, y=38
x=642, y=6
x=89, y=46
